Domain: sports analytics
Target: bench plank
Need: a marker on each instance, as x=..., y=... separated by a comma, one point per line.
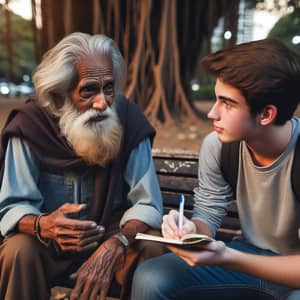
x=171, y=199
x=177, y=184
x=178, y=174
x=186, y=168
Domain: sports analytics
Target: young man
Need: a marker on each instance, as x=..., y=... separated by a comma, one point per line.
x=77, y=176
x=257, y=91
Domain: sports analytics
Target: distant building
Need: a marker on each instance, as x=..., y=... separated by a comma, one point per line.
x=253, y=23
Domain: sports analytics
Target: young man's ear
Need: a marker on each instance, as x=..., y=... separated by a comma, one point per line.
x=268, y=115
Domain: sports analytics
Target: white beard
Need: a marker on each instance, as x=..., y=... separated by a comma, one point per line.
x=96, y=140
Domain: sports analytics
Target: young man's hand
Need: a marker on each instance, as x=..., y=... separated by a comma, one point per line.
x=212, y=253
x=170, y=229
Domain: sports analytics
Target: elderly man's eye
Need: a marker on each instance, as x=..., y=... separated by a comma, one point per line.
x=88, y=91
x=108, y=88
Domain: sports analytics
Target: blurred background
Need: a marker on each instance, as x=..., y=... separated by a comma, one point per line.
x=162, y=42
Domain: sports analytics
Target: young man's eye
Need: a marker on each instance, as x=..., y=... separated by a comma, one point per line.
x=227, y=104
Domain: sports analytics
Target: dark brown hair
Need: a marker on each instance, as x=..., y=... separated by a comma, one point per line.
x=264, y=71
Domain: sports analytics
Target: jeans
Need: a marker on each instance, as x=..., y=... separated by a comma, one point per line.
x=169, y=277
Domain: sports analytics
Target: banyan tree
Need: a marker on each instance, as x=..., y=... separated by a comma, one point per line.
x=160, y=40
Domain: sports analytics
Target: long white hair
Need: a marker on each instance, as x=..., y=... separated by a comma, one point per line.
x=56, y=76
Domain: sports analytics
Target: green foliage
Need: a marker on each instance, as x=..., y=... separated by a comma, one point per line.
x=205, y=92
x=286, y=28
x=252, y=3
x=22, y=46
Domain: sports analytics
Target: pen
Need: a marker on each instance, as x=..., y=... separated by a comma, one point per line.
x=181, y=209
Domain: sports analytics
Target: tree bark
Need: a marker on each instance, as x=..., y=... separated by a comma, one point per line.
x=160, y=42
x=231, y=22
x=8, y=41
x=35, y=32
x=68, y=12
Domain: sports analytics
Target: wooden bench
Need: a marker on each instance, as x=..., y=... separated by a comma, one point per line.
x=178, y=174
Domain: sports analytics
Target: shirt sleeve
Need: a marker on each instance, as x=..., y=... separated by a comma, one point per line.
x=144, y=192
x=213, y=195
x=19, y=194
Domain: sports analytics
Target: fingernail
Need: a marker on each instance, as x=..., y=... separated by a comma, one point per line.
x=93, y=225
x=100, y=228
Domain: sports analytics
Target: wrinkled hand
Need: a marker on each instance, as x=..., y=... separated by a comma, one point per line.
x=96, y=273
x=71, y=234
x=212, y=253
x=170, y=229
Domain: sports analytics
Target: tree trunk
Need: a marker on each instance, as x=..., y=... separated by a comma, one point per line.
x=231, y=22
x=52, y=23
x=35, y=32
x=68, y=13
x=160, y=42
x=8, y=41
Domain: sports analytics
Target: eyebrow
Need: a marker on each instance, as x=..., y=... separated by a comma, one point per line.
x=228, y=99
x=89, y=83
x=96, y=82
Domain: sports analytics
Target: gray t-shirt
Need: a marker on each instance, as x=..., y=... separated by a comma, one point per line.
x=269, y=212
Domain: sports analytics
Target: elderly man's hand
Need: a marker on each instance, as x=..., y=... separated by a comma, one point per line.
x=71, y=234
x=96, y=273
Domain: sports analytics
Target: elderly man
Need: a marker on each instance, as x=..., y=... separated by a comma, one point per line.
x=77, y=176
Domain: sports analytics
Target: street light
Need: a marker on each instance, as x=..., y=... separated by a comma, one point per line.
x=195, y=86
x=227, y=35
x=296, y=39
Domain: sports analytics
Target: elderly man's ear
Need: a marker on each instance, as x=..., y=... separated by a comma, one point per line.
x=58, y=100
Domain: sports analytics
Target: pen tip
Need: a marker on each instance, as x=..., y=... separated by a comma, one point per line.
x=181, y=199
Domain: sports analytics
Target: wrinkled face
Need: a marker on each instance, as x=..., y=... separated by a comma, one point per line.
x=95, y=88
x=88, y=120
x=231, y=114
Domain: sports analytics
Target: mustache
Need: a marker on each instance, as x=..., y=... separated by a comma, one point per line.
x=94, y=116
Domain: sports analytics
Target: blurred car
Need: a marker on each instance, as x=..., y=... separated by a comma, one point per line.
x=24, y=89
x=10, y=89
x=4, y=89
